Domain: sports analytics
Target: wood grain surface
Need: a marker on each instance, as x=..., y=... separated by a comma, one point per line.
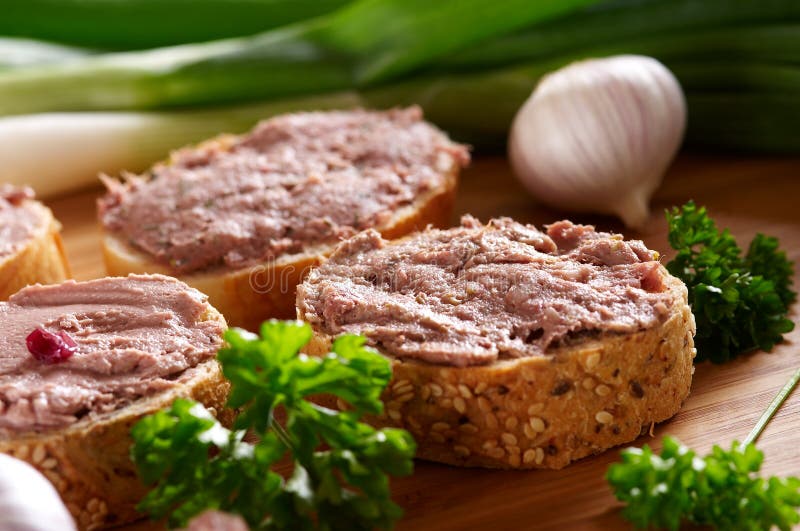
x=746, y=195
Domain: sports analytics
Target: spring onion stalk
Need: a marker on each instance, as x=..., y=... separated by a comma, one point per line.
x=16, y=53
x=773, y=408
x=748, y=116
x=139, y=24
x=60, y=152
x=622, y=21
x=337, y=52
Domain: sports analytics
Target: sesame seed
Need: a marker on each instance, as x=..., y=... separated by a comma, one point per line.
x=511, y=423
x=394, y=414
x=404, y=390
x=604, y=417
x=440, y=426
x=405, y=398
x=591, y=361
x=38, y=454
x=446, y=403
x=468, y=428
x=602, y=390
x=534, y=409
x=529, y=433
x=459, y=404
x=22, y=452
x=509, y=438
x=340, y=403
x=49, y=463
x=436, y=389
x=483, y=404
x=436, y=437
x=451, y=390
x=401, y=383
x=539, y=456
x=529, y=455
x=588, y=383
x=537, y=424
x=497, y=453
x=514, y=460
x=481, y=387
x=425, y=392
x=463, y=451
x=491, y=421
x=465, y=392
x=488, y=445
x=92, y=505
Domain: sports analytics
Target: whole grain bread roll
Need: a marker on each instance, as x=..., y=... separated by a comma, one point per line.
x=244, y=218
x=82, y=362
x=511, y=347
x=30, y=242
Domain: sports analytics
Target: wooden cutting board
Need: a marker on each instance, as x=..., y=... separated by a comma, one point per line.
x=746, y=195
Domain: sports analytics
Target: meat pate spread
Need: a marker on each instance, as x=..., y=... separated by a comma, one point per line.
x=19, y=219
x=134, y=337
x=294, y=182
x=478, y=293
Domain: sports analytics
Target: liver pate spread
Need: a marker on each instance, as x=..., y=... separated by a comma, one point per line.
x=18, y=219
x=478, y=293
x=135, y=336
x=294, y=182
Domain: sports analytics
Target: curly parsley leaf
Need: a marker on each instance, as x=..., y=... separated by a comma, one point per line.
x=721, y=489
x=340, y=465
x=740, y=302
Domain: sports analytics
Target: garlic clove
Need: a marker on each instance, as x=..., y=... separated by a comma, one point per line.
x=598, y=135
x=28, y=502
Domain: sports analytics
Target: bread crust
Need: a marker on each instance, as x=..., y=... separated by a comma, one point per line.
x=249, y=296
x=42, y=260
x=542, y=411
x=89, y=462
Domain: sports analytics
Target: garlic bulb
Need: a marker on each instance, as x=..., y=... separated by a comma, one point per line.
x=598, y=135
x=28, y=502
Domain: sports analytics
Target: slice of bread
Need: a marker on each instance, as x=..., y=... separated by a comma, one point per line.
x=250, y=295
x=39, y=260
x=575, y=399
x=247, y=297
x=89, y=462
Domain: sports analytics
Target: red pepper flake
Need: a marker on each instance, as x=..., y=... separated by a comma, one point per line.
x=48, y=347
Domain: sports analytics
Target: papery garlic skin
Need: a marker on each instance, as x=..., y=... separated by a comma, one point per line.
x=28, y=502
x=598, y=135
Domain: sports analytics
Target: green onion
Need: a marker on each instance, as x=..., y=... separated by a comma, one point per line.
x=336, y=52
x=136, y=24
x=624, y=23
x=81, y=145
x=16, y=53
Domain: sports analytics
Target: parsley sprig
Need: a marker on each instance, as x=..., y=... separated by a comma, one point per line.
x=721, y=489
x=740, y=301
x=340, y=465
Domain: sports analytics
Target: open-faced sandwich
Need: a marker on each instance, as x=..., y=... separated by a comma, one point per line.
x=81, y=362
x=30, y=243
x=244, y=218
x=511, y=347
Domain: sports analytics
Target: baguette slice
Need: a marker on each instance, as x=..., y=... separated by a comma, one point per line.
x=541, y=411
x=89, y=462
x=250, y=295
x=41, y=259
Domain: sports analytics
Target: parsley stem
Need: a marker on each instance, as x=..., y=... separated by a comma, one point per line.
x=772, y=409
